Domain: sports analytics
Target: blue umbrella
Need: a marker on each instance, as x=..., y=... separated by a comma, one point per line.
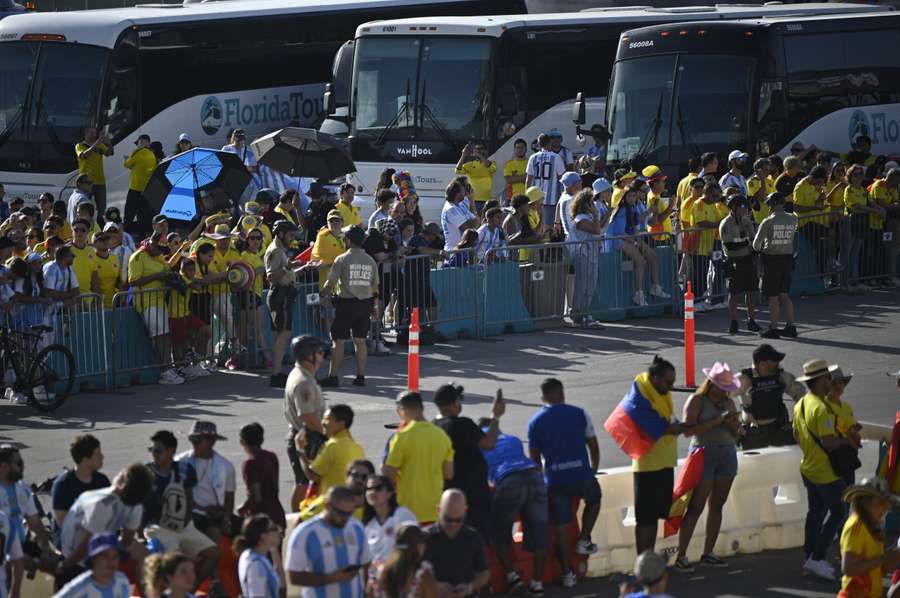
x=173, y=187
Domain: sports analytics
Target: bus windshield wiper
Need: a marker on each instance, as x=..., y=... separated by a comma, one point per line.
x=686, y=142
x=13, y=123
x=650, y=140
x=404, y=109
x=435, y=124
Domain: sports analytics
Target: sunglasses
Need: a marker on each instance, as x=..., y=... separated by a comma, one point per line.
x=376, y=488
x=452, y=520
x=155, y=450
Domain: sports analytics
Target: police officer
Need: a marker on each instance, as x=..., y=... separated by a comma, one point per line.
x=304, y=407
x=282, y=277
x=763, y=387
x=736, y=232
x=775, y=241
x=354, y=280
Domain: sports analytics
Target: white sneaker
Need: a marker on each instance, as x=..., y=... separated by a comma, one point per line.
x=820, y=569
x=202, y=372
x=569, y=580
x=192, y=372
x=639, y=299
x=170, y=377
x=585, y=547
x=381, y=348
x=657, y=291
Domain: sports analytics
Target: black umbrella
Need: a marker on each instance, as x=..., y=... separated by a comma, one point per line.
x=300, y=152
x=174, y=184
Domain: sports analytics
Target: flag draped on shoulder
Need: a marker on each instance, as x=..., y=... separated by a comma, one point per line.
x=641, y=418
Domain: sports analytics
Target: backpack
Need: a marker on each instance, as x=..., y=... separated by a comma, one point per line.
x=174, y=514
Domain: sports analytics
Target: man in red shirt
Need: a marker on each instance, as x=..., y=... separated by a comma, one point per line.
x=260, y=472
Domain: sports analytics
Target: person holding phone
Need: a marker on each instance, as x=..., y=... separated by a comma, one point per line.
x=326, y=554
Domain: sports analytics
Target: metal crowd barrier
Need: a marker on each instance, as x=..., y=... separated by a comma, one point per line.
x=551, y=281
x=78, y=324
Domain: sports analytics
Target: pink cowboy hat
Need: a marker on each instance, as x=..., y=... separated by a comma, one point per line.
x=720, y=375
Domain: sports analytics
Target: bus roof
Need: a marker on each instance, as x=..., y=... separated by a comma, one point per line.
x=102, y=27
x=881, y=12
x=495, y=26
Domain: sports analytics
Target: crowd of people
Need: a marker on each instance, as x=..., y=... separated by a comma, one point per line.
x=203, y=288
x=446, y=491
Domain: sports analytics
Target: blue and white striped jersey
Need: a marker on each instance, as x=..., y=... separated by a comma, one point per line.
x=318, y=547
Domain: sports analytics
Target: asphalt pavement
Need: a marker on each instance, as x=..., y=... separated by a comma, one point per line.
x=859, y=332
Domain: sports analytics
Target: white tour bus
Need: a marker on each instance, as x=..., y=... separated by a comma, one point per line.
x=422, y=88
x=820, y=80
x=162, y=70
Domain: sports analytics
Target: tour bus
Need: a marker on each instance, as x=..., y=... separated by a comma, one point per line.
x=755, y=85
x=423, y=88
x=162, y=70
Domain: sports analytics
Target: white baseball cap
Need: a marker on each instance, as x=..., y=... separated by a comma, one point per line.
x=737, y=155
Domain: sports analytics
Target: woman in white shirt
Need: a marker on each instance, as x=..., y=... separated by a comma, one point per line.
x=382, y=516
x=259, y=568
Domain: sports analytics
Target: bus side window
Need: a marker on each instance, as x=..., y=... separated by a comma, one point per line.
x=122, y=105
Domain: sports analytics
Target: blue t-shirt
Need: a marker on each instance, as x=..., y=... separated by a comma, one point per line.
x=507, y=456
x=67, y=488
x=559, y=432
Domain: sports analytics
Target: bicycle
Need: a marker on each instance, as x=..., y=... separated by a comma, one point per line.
x=45, y=376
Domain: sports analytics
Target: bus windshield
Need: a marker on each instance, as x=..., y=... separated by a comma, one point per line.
x=48, y=93
x=669, y=107
x=421, y=88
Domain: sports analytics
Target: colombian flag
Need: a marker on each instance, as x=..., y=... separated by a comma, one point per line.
x=641, y=418
x=690, y=475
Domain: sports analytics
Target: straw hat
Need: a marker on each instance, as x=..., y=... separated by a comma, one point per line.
x=813, y=369
x=871, y=487
x=535, y=194
x=721, y=375
x=220, y=232
x=837, y=373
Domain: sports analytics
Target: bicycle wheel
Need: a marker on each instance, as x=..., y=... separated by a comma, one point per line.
x=50, y=377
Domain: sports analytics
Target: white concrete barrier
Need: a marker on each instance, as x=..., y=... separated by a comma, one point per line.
x=766, y=509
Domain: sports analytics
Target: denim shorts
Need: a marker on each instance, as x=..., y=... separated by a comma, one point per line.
x=719, y=461
x=562, y=497
x=521, y=494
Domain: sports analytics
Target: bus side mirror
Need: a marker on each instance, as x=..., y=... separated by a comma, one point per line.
x=329, y=101
x=578, y=109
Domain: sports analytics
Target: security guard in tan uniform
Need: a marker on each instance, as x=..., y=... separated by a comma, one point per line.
x=353, y=280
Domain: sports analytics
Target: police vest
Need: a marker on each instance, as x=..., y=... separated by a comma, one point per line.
x=766, y=395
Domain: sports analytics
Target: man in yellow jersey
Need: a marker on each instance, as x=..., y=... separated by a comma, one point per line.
x=419, y=460
x=83, y=254
x=654, y=472
x=809, y=198
x=514, y=170
x=330, y=464
x=141, y=163
x=223, y=257
x=188, y=330
x=684, y=185
x=816, y=432
x=106, y=275
x=759, y=186
x=705, y=215
x=661, y=207
x=474, y=163
x=349, y=212
x=148, y=274
x=886, y=193
x=90, y=153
